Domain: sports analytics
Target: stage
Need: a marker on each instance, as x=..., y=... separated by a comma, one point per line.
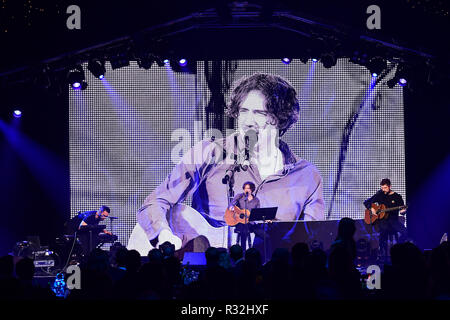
x=151, y=133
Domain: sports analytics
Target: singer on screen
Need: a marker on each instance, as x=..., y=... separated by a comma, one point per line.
x=265, y=107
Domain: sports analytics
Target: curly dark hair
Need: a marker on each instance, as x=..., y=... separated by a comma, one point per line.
x=250, y=184
x=385, y=182
x=281, y=98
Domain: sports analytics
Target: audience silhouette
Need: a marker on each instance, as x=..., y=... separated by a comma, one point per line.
x=295, y=274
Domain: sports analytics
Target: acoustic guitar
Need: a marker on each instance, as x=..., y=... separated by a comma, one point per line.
x=381, y=212
x=188, y=225
x=193, y=229
x=233, y=217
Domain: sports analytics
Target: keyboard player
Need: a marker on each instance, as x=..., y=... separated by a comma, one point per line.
x=93, y=218
x=90, y=225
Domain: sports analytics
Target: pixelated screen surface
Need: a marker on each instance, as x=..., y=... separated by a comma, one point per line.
x=121, y=131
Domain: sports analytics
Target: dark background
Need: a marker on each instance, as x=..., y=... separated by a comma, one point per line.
x=27, y=208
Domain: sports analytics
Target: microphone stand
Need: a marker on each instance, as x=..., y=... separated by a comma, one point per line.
x=229, y=180
x=230, y=194
x=246, y=232
x=111, y=224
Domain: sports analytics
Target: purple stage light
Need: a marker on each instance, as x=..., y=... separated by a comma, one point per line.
x=314, y=60
x=182, y=62
x=374, y=75
x=402, y=82
x=286, y=60
x=76, y=85
x=17, y=113
x=101, y=77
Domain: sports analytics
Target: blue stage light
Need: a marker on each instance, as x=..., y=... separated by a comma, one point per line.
x=97, y=68
x=286, y=60
x=314, y=60
x=75, y=77
x=374, y=75
x=182, y=62
x=402, y=82
x=17, y=113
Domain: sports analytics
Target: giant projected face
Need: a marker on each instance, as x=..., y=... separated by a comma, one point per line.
x=154, y=156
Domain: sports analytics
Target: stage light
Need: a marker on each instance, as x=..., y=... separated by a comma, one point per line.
x=183, y=65
x=145, y=63
x=119, y=61
x=182, y=62
x=314, y=60
x=286, y=60
x=97, y=68
x=79, y=85
x=328, y=60
x=377, y=65
x=17, y=113
x=147, y=60
x=359, y=57
x=391, y=83
x=166, y=61
x=374, y=75
x=401, y=73
x=75, y=77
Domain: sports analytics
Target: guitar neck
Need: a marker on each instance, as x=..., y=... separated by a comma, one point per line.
x=392, y=209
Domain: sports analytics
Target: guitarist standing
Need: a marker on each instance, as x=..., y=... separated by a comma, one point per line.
x=391, y=224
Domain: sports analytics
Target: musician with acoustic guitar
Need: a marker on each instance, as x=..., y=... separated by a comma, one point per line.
x=382, y=210
x=239, y=211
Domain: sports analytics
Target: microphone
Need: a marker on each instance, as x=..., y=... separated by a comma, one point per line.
x=246, y=162
x=112, y=218
x=228, y=175
x=226, y=178
x=230, y=171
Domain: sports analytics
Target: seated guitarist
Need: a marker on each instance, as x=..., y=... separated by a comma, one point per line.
x=391, y=224
x=247, y=201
